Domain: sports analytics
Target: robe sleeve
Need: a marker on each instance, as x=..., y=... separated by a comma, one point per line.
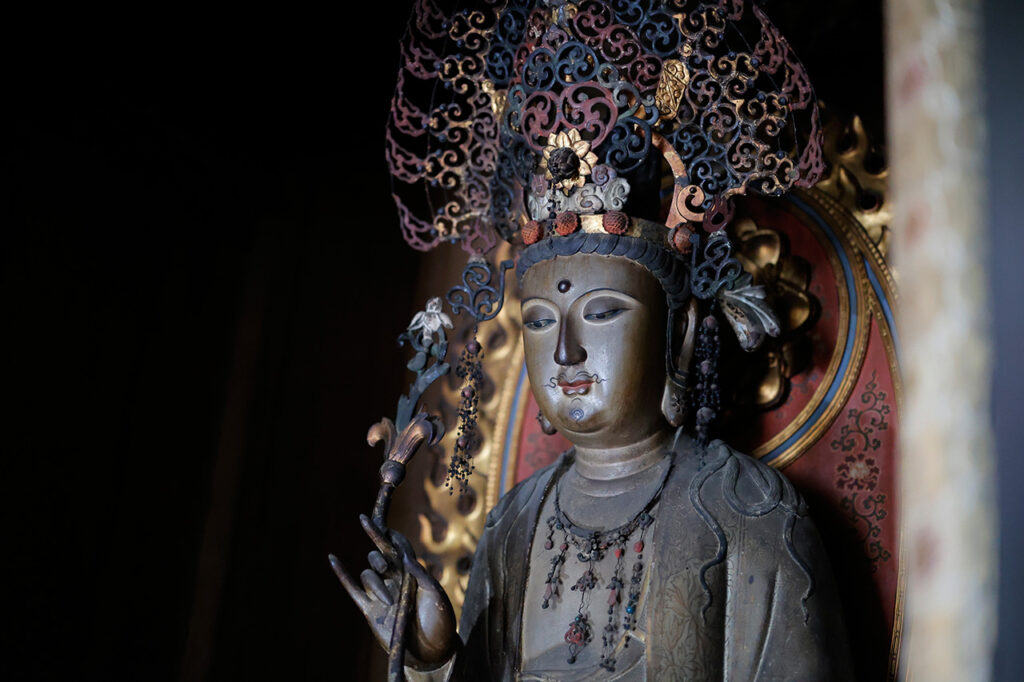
x=783, y=618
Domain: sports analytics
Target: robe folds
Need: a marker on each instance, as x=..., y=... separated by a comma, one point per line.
x=739, y=586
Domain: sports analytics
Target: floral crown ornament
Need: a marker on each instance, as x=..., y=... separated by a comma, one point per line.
x=567, y=160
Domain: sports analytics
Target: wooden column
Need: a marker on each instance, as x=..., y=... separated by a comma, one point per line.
x=936, y=143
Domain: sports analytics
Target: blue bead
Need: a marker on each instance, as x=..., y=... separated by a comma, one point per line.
x=630, y=609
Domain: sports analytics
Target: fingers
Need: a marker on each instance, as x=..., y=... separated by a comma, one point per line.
x=424, y=581
x=394, y=551
x=398, y=540
x=375, y=534
x=378, y=562
x=358, y=595
x=387, y=571
x=372, y=583
x=409, y=563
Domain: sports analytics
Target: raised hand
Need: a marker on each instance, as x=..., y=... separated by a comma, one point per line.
x=431, y=636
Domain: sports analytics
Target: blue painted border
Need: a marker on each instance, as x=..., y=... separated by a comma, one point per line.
x=510, y=430
x=886, y=307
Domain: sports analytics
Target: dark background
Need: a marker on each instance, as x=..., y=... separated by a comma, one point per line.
x=201, y=285
x=201, y=281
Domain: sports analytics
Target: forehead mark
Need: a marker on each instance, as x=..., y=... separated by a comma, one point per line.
x=564, y=285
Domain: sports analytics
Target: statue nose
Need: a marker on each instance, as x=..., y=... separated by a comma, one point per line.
x=568, y=351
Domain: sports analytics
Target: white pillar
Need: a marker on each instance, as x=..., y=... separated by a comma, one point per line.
x=935, y=144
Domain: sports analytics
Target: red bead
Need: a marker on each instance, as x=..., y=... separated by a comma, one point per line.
x=566, y=223
x=612, y=597
x=615, y=222
x=548, y=544
x=639, y=546
x=532, y=232
x=618, y=553
x=680, y=238
x=563, y=547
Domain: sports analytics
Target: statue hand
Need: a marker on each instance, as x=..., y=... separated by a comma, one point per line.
x=432, y=635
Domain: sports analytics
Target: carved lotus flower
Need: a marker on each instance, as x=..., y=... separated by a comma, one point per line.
x=786, y=277
x=431, y=319
x=568, y=160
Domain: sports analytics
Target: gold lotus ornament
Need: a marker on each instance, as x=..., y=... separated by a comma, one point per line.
x=568, y=160
x=786, y=278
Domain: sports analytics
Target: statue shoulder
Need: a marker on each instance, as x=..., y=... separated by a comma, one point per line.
x=749, y=486
x=525, y=491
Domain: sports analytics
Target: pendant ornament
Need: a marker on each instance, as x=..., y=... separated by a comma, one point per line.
x=591, y=546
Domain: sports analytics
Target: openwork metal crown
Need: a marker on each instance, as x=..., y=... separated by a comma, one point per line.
x=517, y=111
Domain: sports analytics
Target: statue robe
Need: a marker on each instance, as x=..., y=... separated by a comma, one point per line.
x=740, y=587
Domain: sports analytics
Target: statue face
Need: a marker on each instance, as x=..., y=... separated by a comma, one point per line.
x=594, y=338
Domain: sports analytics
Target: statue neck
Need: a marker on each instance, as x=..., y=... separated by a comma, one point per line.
x=606, y=472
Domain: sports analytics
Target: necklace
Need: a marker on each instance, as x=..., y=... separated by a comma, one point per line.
x=591, y=546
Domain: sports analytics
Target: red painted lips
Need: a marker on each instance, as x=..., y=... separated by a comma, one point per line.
x=578, y=386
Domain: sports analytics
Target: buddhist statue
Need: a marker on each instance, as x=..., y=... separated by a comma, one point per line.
x=605, y=142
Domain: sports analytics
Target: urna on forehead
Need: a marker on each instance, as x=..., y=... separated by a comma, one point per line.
x=636, y=256
x=566, y=278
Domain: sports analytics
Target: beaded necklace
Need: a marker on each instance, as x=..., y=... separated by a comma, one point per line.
x=590, y=546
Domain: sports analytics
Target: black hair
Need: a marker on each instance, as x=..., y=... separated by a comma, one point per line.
x=669, y=269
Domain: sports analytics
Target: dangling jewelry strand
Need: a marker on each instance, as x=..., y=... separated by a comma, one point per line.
x=708, y=397
x=469, y=371
x=590, y=546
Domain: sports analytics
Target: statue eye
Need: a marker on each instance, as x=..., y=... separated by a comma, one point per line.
x=538, y=324
x=603, y=315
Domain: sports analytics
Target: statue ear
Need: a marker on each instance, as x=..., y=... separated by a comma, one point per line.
x=673, y=400
x=545, y=425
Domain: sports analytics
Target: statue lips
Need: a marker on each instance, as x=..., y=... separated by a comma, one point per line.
x=580, y=384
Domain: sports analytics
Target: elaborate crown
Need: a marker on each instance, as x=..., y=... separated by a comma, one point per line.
x=535, y=119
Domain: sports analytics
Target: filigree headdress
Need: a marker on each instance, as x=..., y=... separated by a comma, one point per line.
x=510, y=111
x=601, y=126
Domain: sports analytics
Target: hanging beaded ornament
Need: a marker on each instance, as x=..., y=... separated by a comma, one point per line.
x=470, y=373
x=482, y=298
x=707, y=396
x=591, y=545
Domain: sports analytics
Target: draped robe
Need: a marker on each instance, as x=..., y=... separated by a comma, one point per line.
x=739, y=586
